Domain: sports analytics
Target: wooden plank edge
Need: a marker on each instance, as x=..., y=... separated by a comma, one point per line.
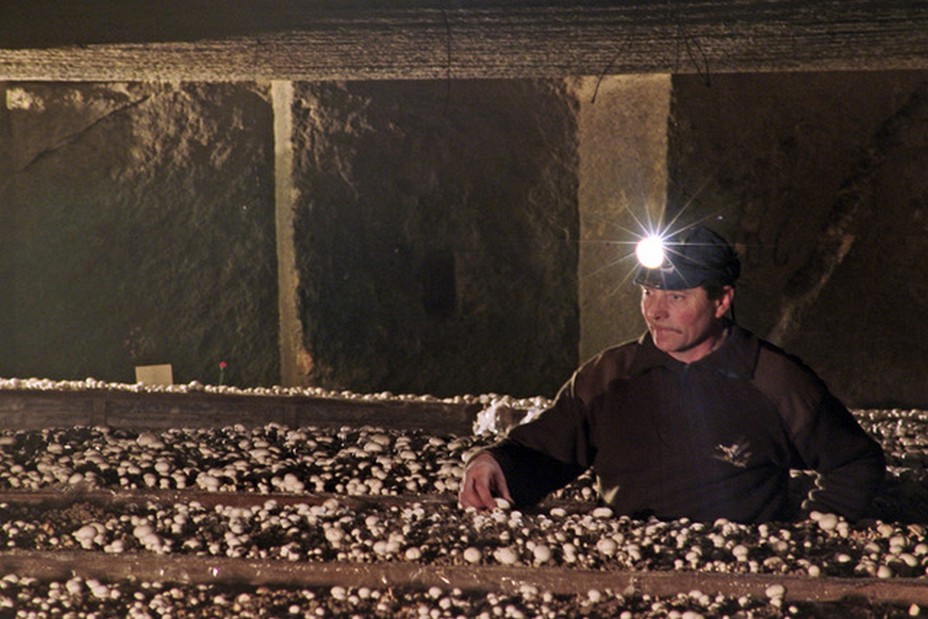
x=46, y=566
x=25, y=409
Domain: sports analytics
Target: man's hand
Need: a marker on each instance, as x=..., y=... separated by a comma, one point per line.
x=483, y=482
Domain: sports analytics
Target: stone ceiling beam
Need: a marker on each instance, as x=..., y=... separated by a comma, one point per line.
x=221, y=40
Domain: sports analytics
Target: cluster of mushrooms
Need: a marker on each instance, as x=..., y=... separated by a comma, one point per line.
x=386, y=496
x=91, y=598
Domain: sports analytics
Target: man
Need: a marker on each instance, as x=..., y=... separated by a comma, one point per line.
x=698, y=418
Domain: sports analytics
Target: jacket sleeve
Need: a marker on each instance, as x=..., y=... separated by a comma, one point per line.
x=548, y=452
x=824, y=435
x=850, y=464
x=531, y=475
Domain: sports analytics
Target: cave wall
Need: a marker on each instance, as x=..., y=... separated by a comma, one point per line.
x=137, y=228
x=437, y=224
x=819, y=180
x=436, y=233
x=623, y=192
x=434, y=237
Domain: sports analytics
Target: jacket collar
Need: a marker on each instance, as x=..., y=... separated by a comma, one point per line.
x=736, y=357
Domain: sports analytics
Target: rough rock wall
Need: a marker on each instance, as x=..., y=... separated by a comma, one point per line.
x=623, y=190
x=437, y=227
x=819, y=178
x=138, y=228
x=436, y=234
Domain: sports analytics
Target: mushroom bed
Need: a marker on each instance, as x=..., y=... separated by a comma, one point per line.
x=352, y=472
x=76, y=597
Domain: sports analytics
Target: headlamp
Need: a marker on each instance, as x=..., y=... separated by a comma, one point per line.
x=650, y=252
x=698, y=255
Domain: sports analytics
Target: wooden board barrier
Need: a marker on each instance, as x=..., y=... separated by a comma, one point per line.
x=36, y=409
x=205, y=570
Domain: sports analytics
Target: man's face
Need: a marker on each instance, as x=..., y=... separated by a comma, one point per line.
x=685, y=324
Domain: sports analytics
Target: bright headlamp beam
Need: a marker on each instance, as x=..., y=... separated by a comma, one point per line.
x=650, y=252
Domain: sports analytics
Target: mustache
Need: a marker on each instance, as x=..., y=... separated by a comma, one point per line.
x=652, y=327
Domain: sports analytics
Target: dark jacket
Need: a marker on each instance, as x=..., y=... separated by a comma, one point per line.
x=714, y=438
